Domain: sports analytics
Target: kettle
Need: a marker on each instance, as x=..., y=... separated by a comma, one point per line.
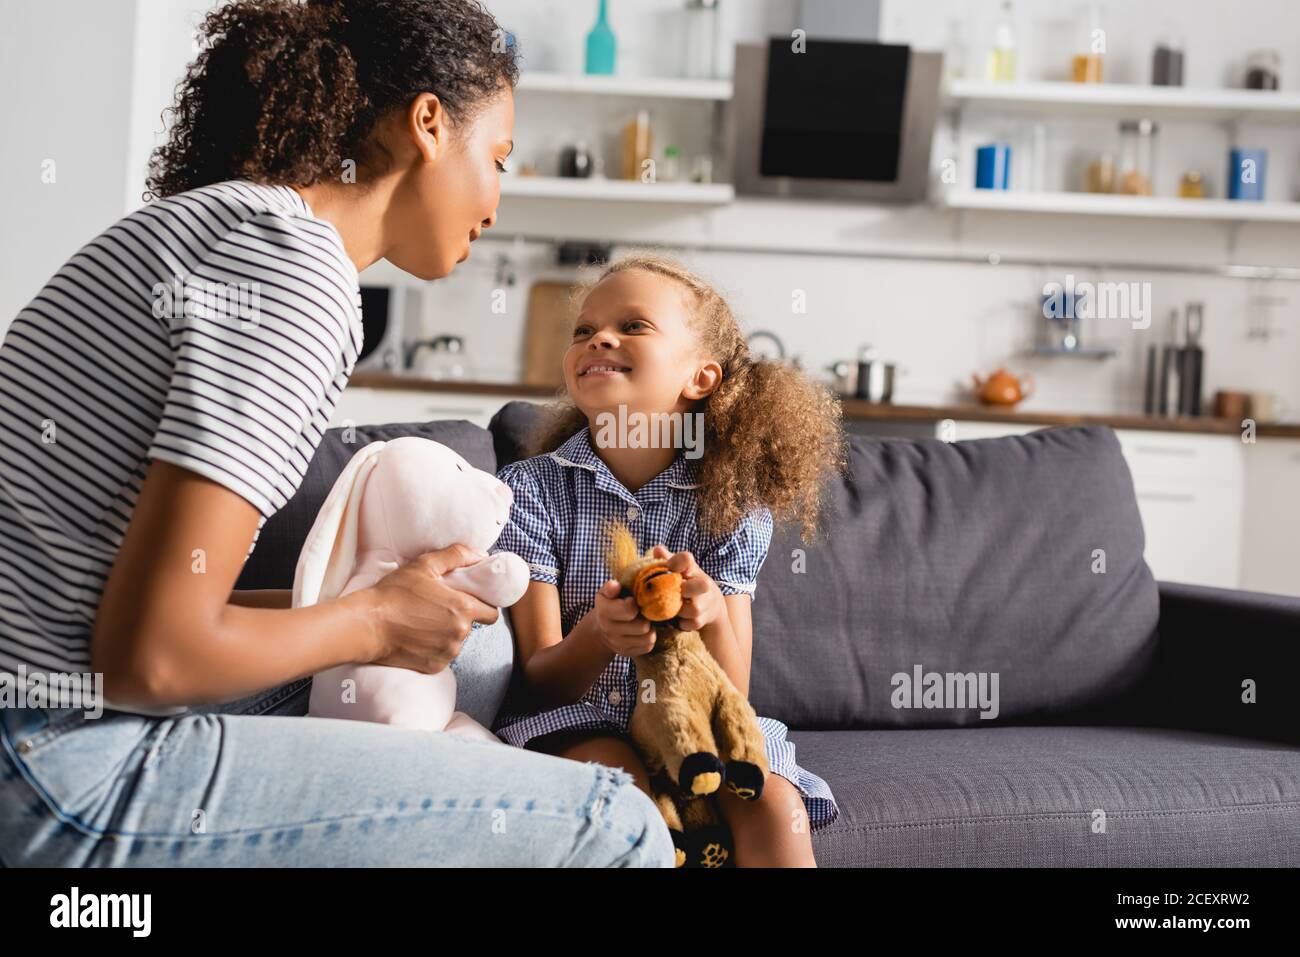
x=1002, y=388
x=444, y=359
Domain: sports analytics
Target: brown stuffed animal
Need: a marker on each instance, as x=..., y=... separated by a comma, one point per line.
x=698, y=731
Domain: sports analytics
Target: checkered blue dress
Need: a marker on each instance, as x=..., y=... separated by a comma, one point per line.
x=561, y=501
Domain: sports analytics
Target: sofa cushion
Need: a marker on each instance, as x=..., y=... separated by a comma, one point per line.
x=965, y=558
x=275, y=556
x=512, y=428
x=1016, y=558
x=1031, y=797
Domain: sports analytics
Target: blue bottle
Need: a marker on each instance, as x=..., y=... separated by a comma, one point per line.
x=993, y=166
x=1246, y=169
x=601, y=45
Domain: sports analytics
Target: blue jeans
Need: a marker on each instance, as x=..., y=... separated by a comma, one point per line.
x=257, y=783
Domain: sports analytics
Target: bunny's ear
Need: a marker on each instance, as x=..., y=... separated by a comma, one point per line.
x=329, y=554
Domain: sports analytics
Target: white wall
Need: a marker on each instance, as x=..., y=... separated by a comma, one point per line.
x=65, y=68
x=165, y=41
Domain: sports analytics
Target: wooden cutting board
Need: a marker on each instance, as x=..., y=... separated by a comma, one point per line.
x=547, y=332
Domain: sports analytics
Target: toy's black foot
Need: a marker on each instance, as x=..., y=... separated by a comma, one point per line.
x=709, y=847
x=745, y=780
x=701, y=773
x=680, y=847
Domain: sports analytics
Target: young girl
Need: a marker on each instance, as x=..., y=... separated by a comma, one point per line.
x=652, y=338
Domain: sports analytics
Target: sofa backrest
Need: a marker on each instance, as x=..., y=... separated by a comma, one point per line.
x=1017, y=557
x=275, y=556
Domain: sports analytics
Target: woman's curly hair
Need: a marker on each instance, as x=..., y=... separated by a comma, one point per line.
x=772, y=436
x=283, y=92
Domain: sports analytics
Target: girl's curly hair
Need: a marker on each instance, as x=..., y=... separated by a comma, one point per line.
x=283, y=92
x=772, y=436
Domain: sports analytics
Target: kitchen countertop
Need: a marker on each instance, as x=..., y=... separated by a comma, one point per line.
x=858, y=409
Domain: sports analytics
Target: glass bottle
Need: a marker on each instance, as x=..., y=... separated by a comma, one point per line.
x=700, y=48
x=1137, y=157
x=636, y=145
x=601, y=45
x=1002, y=58
x=1088, y=57
x=954, y=51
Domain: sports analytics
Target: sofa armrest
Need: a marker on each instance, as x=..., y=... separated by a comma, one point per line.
x=1211, y=641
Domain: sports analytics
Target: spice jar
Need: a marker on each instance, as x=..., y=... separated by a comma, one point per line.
x=1192, y=185
x=1137, y=157
x=1263, y=70
x=1167, y=62
x=1101, y=174
x=1091, y=47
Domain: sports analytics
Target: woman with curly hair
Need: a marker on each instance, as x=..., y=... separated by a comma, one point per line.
x=654, y=343
x=163, y=395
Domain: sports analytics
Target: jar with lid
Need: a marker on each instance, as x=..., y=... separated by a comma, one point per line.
x=1137, y=157
x=1090, y=50
x=1263, y=70
x=670, y=170
x=700, y=46
x=1167, y=61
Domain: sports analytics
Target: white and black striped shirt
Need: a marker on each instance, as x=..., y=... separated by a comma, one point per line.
x=213, y=329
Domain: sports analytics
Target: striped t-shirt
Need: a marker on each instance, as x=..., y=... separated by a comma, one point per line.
x=213, y=329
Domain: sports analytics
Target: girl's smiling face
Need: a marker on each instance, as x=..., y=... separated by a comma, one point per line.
x=633, y=346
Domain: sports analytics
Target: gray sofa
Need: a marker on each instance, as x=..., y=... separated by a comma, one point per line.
x=976, y=658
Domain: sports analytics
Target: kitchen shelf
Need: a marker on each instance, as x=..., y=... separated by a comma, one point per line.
x=619, y=190
x=1127, y=102
x=1084, y=352
x=641, y=87
x=1106, y=204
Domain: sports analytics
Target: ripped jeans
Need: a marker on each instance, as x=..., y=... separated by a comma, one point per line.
x=256, y=783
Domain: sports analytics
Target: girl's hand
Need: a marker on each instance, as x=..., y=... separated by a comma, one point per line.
x=619, y=623
x=702, y=599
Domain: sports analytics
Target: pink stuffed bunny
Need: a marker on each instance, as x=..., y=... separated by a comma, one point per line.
x=393, y=502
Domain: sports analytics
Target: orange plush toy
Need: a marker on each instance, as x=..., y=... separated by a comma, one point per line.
x=694, y=730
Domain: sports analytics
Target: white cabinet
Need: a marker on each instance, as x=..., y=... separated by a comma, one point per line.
x=1271, y=533
x=1190, y=494
x=360, y=406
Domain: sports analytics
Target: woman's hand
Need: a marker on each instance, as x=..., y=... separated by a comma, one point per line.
x=619, y=622
x=421, y=622
x=703, y=603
